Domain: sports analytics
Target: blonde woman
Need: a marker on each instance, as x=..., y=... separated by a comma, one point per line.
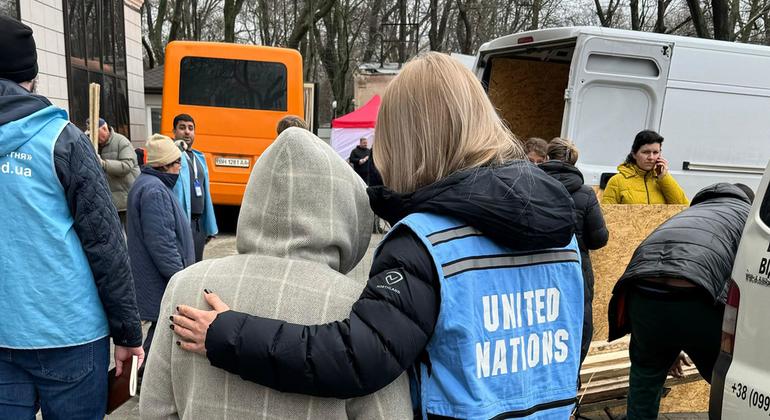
x=476, y=290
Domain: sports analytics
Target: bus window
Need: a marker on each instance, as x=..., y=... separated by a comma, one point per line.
x=227, y=83
x=236, y=94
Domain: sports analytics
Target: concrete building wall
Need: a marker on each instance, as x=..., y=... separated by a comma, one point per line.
x=46, y=19
x=137, y=114
x=368, y=85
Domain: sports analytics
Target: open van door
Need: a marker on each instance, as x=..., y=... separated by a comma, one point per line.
x=617, y=88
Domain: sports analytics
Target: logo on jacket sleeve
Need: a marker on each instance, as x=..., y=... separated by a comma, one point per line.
x=393, y=277
x=388, y=279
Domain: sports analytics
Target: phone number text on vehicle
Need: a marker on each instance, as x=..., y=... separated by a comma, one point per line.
x=753, y=398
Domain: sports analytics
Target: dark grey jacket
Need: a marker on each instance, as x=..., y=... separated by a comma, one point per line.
x=159, y=238
x=698, y=244
x=96, y=220
x=120, y=166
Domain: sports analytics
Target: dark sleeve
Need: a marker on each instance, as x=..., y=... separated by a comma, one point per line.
x=160, y=236
x=100, y=232
x=387, y=330
x=595, y=234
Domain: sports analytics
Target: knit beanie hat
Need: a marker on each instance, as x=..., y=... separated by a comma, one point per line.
x=18, y=55
x=161, y=151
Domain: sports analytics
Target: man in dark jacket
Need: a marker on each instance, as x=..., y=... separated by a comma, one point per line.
x=672, y=294
x=360, y=157
x=64, y=271
x=160, y=241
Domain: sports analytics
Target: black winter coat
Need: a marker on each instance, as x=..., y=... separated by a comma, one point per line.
x=590, y=229
x=698, y=245
x=96, y=220
x=517, y=205
x=591, y=234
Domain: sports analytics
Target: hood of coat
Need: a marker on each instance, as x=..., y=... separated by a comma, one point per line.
x=567, y=174
x=22, y=115
x=304, y=202
x=630, y=170
x=720, y=190
x=516, y=205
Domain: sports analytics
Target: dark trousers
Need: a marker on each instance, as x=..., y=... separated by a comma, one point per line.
x=122, y=217
x=146, y=346
x=199, y=237
x=662, y=325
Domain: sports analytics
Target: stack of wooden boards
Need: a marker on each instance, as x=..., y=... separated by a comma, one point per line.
x=605, y=373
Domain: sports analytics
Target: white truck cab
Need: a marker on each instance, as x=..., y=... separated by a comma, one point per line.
x=710, y=100
x=740, y=385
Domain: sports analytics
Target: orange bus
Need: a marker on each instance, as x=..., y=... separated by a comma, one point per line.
x=236, y=94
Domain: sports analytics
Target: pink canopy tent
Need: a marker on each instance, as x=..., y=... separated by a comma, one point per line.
x=348, y=129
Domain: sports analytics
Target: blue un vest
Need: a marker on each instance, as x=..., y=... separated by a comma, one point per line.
x=507, y=339
x=49, y=298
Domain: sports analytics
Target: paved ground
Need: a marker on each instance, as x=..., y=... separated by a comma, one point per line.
x=224, y=245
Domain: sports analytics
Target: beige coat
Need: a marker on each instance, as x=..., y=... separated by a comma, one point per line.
x=305, y=221
x=120, y=167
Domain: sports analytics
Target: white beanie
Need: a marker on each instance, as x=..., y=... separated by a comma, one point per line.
x=161, y=151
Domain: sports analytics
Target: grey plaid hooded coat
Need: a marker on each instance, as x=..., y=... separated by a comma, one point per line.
x=304, y=222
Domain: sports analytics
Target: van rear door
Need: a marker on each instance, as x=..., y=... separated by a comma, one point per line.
x=740, y=387
x=617, y=88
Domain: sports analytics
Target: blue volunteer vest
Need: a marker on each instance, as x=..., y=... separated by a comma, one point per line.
x=507, y=339
x=49, y=298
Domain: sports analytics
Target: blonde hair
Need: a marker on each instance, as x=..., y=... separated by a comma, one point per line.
x=435, y=119
x=563, y=150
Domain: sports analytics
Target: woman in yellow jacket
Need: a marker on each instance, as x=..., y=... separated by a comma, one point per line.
x=644, y=177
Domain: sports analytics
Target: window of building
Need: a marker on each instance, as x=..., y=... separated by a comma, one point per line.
x=229, y=83
x=96, y=53
x=155, y=119
x=9, y=8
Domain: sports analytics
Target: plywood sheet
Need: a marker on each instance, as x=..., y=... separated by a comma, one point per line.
x=529, y=95
x=687, y=398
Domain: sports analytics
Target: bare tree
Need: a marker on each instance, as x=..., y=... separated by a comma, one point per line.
x=606, y=16
x=438, y=24
x=231, y=10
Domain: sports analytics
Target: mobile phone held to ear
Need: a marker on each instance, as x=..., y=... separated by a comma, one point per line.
x=658, y=169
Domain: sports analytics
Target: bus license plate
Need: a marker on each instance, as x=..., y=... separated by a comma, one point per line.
x=239, y=163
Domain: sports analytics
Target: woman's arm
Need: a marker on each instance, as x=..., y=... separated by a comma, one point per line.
x=671, y=190
x=388, y=328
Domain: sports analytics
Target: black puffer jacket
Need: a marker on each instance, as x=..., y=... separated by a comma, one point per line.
x=517, y=205
x=96, y=220
x=590, y=230
x=698, y=244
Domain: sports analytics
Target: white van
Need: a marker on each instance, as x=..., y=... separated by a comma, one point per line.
x=740, y=385
x=599, y=87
